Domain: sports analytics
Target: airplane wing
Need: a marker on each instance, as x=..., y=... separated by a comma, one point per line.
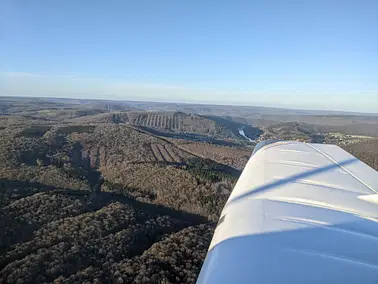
x=299, y=213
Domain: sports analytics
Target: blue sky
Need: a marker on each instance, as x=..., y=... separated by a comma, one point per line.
x=315, y=54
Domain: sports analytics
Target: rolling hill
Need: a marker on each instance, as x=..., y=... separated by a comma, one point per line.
x=100, y=192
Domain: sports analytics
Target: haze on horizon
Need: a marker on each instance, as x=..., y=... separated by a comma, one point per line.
x=294, y=54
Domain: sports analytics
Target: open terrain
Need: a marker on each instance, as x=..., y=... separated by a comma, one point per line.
x=130, y=192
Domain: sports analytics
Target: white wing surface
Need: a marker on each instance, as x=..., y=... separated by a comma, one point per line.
x=299, y=213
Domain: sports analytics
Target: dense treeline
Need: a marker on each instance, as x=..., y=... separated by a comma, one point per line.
x=68, y=233
x=207, y=169
x=49, y=160
x=367, y=151
x=93, y=239
x=177, y=258
x=25, y=215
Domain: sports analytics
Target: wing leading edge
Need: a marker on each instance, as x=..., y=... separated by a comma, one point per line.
x=299, y=213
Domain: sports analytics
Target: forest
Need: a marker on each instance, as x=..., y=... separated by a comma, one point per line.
x=89, y=195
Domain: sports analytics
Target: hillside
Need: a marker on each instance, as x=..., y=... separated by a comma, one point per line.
x=59, y=234
x=104, y=202
x=178, y=125
x=93, y=195
x=235, y=157
x=345, y=124
x=367, y=151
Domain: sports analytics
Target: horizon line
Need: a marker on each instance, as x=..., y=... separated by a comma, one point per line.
x=346, y=112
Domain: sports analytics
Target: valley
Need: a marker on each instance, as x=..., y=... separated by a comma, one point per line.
x=108, y=192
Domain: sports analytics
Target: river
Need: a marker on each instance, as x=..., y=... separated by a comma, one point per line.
x=241, y=132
